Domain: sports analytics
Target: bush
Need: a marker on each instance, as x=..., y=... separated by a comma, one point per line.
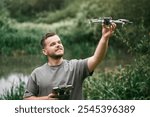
x=131, y=82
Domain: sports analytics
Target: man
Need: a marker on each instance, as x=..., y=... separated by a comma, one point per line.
x=57, y=71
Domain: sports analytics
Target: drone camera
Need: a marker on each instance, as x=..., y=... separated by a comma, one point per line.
x=107, y=20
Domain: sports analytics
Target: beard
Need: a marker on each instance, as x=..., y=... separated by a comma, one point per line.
x=56, y=56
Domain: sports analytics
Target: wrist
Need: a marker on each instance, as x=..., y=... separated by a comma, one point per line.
x=104, y=39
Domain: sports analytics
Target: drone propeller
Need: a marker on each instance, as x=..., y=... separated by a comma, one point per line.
x=125, y=21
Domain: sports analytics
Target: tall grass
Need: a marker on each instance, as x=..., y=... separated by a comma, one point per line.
x=15, y=92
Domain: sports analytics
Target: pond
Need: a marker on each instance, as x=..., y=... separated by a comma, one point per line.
x=14, y=68
x=17, y=67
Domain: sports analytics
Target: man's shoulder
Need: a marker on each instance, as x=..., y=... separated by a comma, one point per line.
x=76, y=61
x=71, y=61
x=40, y=68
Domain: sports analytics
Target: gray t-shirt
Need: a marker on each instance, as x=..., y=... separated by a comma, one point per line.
x=45, y=77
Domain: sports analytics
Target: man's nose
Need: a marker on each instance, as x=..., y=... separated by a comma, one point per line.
x=58, y=45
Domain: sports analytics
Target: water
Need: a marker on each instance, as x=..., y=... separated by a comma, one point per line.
x=14, y=68
x=11, y=79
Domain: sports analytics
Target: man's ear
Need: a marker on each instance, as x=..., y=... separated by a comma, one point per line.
x=44, y=52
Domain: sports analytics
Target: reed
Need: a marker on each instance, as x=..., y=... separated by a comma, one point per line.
x=15, y=92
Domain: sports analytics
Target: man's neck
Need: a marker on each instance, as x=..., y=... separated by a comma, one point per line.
x=54, y=62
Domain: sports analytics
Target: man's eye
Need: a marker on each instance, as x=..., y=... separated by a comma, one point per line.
x=59, y=42
x=52, y=44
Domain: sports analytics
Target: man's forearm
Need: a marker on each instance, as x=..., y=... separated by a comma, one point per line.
x=101, y=50
x=98, y=54
x=51, y=96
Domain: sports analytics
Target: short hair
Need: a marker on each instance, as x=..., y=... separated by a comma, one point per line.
x=50, y=34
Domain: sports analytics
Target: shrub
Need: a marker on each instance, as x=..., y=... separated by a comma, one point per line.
x=131, y=82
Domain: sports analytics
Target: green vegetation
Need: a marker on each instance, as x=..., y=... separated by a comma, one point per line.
x=128, y=83
x=21, y=31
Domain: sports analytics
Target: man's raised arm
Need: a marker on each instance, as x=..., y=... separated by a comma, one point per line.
x=102, y=46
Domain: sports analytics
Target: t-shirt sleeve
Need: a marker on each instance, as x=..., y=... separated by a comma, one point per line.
x=31, y=87
x=82, y=69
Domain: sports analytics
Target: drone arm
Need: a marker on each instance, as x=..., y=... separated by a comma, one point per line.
x=117, y=21
x=96, y=21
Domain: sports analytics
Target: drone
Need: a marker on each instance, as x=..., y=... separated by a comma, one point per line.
x=108, y=21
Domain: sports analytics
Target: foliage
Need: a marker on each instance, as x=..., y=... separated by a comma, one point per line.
x=58, y=15
x=137, y=39
x=131, y=82
x=135, y=10
x=16, y=42
x=29, y=8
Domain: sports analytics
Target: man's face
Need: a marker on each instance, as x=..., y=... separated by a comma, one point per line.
x=53, y=47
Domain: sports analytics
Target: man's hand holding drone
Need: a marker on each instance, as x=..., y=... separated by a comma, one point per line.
x=109, y=25
x=108, y=30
